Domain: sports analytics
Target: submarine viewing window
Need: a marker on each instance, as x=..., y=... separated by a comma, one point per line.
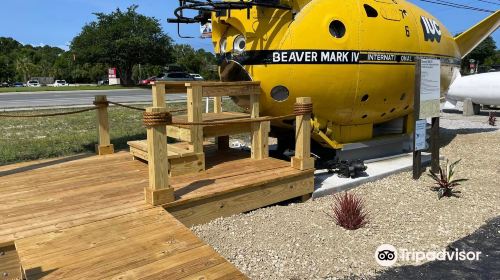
x=337, y=29
x=364, y=98
x=370, y=11
x=280, y=93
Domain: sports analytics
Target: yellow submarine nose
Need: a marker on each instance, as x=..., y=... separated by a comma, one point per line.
x=354, y=58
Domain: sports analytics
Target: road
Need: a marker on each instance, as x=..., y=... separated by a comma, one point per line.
x=18, y=100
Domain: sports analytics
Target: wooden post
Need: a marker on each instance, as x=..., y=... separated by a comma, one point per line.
x=158, y=191
x=218, y=104
x=302, y=159
x=195, y=114
x=417, y=156
x=260, y=131
x=103, y=146
x=222, y=141
x=435, y=145
x=159, y=95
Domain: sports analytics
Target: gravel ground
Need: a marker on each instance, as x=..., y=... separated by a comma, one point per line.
x=299, y=241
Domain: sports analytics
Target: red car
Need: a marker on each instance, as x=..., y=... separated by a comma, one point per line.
x=147, y=81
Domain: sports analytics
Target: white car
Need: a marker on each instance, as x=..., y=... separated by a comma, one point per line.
x=60, y=83
x=33, y=83
x=197, y=77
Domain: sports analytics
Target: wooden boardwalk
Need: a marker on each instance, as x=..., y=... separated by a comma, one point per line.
x=87, y=219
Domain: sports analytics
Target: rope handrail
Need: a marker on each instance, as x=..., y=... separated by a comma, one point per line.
x=165, y=118
x=97, y=105
x=49, y=115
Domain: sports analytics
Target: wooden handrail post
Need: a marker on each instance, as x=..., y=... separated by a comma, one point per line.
x=218, y=104
x=158, y=191
x=260, y=131
x=103, y=146
x=302, y=159
x=195, y=114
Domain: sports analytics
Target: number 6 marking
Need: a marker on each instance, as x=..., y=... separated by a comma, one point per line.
x=407, y=30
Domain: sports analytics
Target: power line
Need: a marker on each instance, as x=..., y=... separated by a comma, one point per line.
x=489, y=2
x=458, y=6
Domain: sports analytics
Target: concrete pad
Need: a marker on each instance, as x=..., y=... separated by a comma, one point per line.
x=326, y=183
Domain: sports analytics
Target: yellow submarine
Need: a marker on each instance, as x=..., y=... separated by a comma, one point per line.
x=355, y=59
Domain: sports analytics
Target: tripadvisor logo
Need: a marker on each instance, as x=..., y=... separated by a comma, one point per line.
x=387, y=255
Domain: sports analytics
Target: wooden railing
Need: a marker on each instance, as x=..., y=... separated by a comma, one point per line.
x=159, y=191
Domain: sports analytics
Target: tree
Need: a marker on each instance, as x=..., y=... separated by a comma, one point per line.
x=123, y=39
x=485, y=49
x=193, y=61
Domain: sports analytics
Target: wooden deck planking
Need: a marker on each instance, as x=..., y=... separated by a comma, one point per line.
x=87, y=218
x=69, y=194
x=159, y=247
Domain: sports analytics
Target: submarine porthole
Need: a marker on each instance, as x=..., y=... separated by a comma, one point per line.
x=279, y=93
x=370, y=11
x=393, y=109
x=337, y=29
x=407, y=106
x=364, y=98
x=383, y=114
x=402, y=96
x=364, y=116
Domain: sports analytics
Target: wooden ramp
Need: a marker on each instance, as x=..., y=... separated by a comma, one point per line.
x=87, y=219
x=148, y=244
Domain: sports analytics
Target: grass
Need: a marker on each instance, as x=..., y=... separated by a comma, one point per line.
x=71, y=88
x=23, y=139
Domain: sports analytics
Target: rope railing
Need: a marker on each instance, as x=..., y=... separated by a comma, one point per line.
x=97, y=105
x=50, y=114
x=165, y=118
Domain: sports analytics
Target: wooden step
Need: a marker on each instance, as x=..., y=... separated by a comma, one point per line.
x=183, y=132
x=10, y=267
x=181, y=159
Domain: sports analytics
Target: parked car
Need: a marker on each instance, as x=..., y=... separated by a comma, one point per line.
x=60, y=83
x=18, y=84
x=5, y=84
x=175, y=76
x=197, y=77
x=147, y=81
x=103, y=82
x=33, y=83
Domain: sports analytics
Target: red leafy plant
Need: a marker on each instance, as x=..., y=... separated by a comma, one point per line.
x=445, y=182
x=348, y=211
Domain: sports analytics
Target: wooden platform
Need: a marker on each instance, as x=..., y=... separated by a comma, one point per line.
x=183, y=132
x=86, y=218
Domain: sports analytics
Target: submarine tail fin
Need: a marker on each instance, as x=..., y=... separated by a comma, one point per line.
x=469, y=39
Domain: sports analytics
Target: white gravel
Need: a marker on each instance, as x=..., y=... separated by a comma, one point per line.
x=299, y=241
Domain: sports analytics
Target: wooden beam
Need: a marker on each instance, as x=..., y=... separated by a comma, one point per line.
x=104, y=146
x=260, y=131
x=195, y=114
x=159, y=191
x=230, y=90
x=302, y=159
x=159, y=95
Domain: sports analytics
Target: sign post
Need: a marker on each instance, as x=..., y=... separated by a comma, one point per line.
x=426, y=105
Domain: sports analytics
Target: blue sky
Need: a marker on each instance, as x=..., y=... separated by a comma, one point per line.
x=56, y=22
